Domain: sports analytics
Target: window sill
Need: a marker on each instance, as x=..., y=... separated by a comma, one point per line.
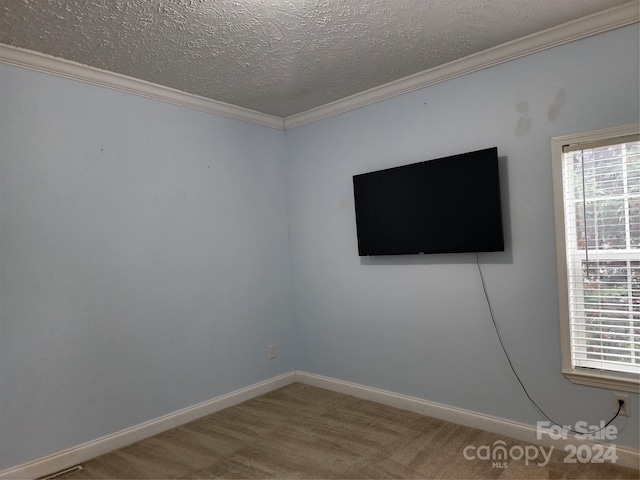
x=595, y=378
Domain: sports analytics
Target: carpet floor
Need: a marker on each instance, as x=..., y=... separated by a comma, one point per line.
x=301, y=431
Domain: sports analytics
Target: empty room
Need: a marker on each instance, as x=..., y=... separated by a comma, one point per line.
x=319, y=239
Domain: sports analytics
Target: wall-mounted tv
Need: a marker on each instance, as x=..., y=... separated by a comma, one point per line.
x=447, y=205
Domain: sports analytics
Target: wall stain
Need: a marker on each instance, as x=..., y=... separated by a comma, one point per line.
x=554, y=110
x=524, y=122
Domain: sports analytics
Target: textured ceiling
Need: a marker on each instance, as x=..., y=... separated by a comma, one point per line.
x=279, y=57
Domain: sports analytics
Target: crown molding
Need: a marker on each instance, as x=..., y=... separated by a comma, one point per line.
x=610, y=19
x=607, y=20
x=76, y=71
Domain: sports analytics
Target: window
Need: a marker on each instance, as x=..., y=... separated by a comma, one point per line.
x=597, y=204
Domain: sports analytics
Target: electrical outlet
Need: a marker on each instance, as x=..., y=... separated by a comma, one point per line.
x=624, y=411
x=272, y=352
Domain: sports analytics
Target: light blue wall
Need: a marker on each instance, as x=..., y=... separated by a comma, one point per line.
x=143, y=261
x=419, y=325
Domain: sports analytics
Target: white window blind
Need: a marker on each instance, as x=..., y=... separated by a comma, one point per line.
x=601, y=188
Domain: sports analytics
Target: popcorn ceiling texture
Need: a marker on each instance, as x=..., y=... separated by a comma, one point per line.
x=276, y=56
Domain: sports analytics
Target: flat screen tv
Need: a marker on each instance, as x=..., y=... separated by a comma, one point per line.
x=447, y=205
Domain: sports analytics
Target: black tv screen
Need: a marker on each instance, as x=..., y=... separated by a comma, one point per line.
x=447, y=205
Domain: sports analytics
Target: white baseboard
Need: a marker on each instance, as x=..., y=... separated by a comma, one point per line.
x=76, y=455
x=73, y=456
x=527, y=433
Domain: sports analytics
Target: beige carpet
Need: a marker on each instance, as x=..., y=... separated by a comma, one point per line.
x=306, y=432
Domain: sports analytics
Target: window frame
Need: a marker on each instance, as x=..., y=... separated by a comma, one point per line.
x=580, y=375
